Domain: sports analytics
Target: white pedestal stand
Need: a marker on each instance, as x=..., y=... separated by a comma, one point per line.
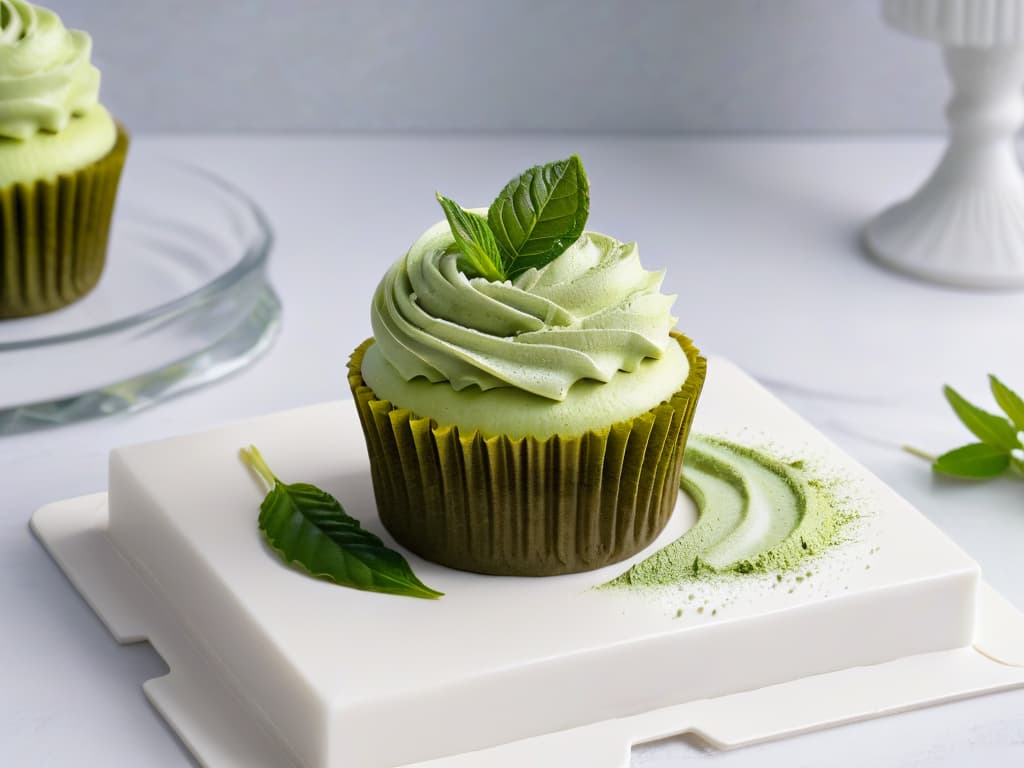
x=965, y=226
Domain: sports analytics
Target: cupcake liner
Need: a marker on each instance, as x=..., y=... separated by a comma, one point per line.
x=526, y=506
x=53, y=235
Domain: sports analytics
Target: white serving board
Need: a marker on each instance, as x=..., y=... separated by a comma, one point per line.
x=269, y=667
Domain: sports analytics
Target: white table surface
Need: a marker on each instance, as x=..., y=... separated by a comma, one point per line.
x=759, y=239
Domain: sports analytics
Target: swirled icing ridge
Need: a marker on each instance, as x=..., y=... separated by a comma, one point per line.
x=45, y=73
x=591, y=312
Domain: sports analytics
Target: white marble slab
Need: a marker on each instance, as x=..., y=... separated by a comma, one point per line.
x=345, y=678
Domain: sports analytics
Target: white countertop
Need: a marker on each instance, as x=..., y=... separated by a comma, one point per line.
x=759, y=239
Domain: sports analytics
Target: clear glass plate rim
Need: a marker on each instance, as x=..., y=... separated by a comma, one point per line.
x=254, y=258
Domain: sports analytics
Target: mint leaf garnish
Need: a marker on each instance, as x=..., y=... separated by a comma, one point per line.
x=480, y=255
x=309, y=529
x=987, y=427
x=1011, y=403
x=539, y=214
x=974, y=461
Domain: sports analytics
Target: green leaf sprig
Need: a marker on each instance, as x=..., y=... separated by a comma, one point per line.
x=310, y=530
x=1001, y=438
x=531, y=222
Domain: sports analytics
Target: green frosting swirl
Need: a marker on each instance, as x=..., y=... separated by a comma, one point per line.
x=591, y=312
x=45, y=73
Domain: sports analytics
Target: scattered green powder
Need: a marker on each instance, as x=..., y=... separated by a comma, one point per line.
x=756, y=515
x=679, y=613
x=700, y=609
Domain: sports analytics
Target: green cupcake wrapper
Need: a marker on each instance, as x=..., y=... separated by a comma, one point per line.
x=526, y=506
x=53, y=235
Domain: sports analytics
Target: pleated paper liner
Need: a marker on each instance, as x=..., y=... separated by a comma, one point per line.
x=526, y=506
x=53, y=235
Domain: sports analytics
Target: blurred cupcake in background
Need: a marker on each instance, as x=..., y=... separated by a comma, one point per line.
x=61, y=155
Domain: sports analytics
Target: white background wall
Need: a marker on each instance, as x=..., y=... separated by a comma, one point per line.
x=510, y=65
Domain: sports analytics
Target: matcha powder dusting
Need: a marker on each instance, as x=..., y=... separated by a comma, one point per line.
x=756, y=515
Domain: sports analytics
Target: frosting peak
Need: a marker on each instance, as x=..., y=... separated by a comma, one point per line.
x=45, y=72
x=592, y=311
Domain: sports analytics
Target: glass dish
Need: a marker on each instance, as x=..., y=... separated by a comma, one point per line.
x=183, y=301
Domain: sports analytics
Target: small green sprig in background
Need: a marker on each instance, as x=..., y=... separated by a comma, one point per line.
x=1001, y=446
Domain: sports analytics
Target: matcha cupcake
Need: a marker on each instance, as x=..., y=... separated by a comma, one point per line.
x=525, y=399
x=61, y=155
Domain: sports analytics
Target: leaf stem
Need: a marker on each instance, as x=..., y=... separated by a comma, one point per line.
x=920, y=454
x=254, y=460
x=1017, y=463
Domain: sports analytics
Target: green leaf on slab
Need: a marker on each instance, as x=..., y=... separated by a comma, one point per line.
x=987, y=427
x=976, y=461
x=480, y=255
x=1009, y=401
x=310, y=530
x=539, y=214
